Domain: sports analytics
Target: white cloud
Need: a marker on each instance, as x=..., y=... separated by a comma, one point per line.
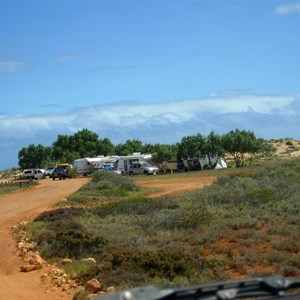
x=11, y=66
x=131, y=115
x=289, y=8
x=269, y=116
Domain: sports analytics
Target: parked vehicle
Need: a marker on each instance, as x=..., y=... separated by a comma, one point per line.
x=123, y=162
x=61, y=171
x=48, y=171
x=105, y=162
x=109, y=168
x=33, y=174
x=142, y=168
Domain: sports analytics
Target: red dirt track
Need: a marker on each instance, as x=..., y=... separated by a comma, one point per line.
x=18, y=207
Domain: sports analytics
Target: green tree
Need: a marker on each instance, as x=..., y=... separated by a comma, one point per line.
x=191, y=147
x=82, y=144
x=34, y=156
x=213, y=146
x=129, y=147
x=260, y=147
x=161, y=152
x=85, y=143
x=105, y=147
x=60, y=147
x=238, y=143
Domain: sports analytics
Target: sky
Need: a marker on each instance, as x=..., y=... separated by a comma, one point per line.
x=153, y=70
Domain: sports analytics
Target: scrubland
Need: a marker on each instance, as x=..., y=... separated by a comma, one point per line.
x=245, y=224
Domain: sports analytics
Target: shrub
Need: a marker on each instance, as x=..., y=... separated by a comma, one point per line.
x=133, y=206
x=122, y=182
x=76, y=244
x=185, y=219
x=81, y=270
x=148, y=264
x=60, y=214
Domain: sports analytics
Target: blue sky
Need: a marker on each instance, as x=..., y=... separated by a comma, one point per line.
x=152, y=70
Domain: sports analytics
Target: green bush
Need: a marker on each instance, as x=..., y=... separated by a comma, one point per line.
x=81, y=270
x=122, y=182
x=185, y=219
x=67, y=213
x=133, y=206
x=133, y=267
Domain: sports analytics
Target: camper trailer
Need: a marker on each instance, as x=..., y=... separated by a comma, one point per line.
x=85, y=165
x=123, y=162
x=106, y=160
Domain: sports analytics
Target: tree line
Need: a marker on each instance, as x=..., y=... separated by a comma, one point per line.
x=86, y=143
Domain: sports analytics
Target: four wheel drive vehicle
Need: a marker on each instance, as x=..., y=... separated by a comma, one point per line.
x=60, y=173
x=142, y=168
x=33, y=174
x=63, y=171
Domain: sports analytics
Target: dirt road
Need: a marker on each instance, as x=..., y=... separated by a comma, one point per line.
x=176, y=185
x=22, y=206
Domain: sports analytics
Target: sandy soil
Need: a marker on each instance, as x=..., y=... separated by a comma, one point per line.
x=22, y=206
x=173, y=186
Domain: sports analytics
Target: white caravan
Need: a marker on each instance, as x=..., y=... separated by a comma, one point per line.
x=123, y=162
x=85, y=165
x=105, y=160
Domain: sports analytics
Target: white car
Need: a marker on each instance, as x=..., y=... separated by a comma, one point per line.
x=33, y=174
x=48, y=171
x=142, y=168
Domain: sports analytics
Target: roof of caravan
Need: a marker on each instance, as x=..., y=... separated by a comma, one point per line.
x=137, y=155
x=97, y=159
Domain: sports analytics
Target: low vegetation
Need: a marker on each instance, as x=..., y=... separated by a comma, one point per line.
x=8, y=188
x=246, y=224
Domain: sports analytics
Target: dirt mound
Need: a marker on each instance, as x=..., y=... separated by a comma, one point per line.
x=286, y=148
